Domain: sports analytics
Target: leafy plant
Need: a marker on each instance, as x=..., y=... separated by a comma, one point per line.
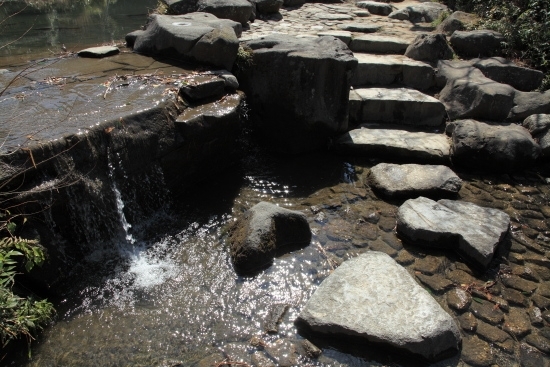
x=245, y=59
x=440, y=19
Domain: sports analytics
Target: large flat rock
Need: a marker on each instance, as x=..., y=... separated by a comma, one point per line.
x=392, y=69
x=379, y=44
x=371, y=298
x=471, y=230
x=395, y=105
x=400, y=145
x=413, y=180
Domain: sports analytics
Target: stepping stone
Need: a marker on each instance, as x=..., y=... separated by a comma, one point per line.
x=394, y=105
x=99, y=52
x=379, y=44
x=505, y=71
x=414, y=147
x=413, y=180
x=203, y=86
x=344, y=36
x=473, y=231
x=360, y=27
x=360, y=301
x=375, y=7
x=390, y=69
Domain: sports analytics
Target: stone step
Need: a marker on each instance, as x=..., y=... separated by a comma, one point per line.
x=372, y=43
x=392, y=69
x=395, y=145
x=402, y=106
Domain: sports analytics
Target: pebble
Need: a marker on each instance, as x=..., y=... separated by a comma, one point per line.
x=405, y=258
x=436, y=283
x=382, y=246
x=476, y=352
x=460, y=277
x=491, y=333
x=467, y=321
x=517, y=323
x=530, y=357
x=540, y=301
x=260, y=359
x=311, y=350
x=518, y=283
x=429, y=265
x=486, y=311
x=459, y=299
x=514, y=297
x=535, y=315
x=539, y=342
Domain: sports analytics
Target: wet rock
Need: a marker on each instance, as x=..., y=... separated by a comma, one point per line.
x=375, y=7
x=500, y=147
x=387, y=224
x=506, y=71
x=457, y=21
x=514, y=297
x=283, y=352
x=524, y=272
x=395, y=144
x=268, y=6
x=456, y=225
x=339, y=230
x=275, y=316
x=544, y=290
x=360, y=27
x=540, y=301
x=263, y=232
x=201, y=37
x=491, y=333
x=467, y=321
x=518, y=283
x=487, y=312
x=229, y=79
x=429, y=265
x=299, y=107
x=531, y=357
x=477, y=43
x=460, y=277
x=436, y=283
x=259, y=359
x=211, y=360
x=203, y=86
x=459, y=299
x=516, y=323
x=99, y=52
x=395, y=311
x=311, y=350
x=535, y=316
x=476, y=352
x=367, y=231
x=539, y=342
x=413, y=180
x=477, y=97
x=429, y=47
x=405, y=258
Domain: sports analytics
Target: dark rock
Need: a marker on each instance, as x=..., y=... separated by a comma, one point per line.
x=373, y=43
x=360, y=27
x=505, y=71
x=516, y=323
x=99, y=52
x=375, y=7
x=467, y=321
x=457, y=21
x=519, y=284
x=197, y=36
x=457, y=225
x=229, y=79
x=539, y=342
x=459, y=299
x=305, y=102
x=449, y=70
x=477, y=43
x=476, y=352
x=312, y=351
x=131, y=37
x=381, y=246
x=265, y=231
x=294, y=3
x=429, y=265
x=535, y=315
x=180, y=6
x=514, y=297
x=436, y=283
x=203, y=86
x=360, y=301
x=284, y=352
x=539, y=127
x=540, y=301
x=343, y=36
x=268, y=6
x=478, y=98
x=413, y=180
x=275, y=316
x=460, y=277
x=429, y=47
x=529, y=103
x=426, y=12
x=236, y=10
x=491, y=333
x=531, y=357
x=260, y=359
x=498, y=147
x=487, y=312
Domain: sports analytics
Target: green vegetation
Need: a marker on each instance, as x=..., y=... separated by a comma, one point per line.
x=245, y=59
x=440, y=19
x=524, y=23
x=20, y=316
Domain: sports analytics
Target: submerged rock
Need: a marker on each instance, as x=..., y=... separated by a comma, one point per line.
x=413, y=180
x=265, y=231
x=298, y=90
x=371, y=298
x=201, y=37
x=471, y=230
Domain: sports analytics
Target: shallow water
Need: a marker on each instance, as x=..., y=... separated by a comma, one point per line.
x=77, y=24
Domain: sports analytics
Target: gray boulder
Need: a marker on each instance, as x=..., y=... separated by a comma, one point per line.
x=478, y=43
x=539, y=127
x=264, y=232
x=505, y=71
x=425, y=12
x=178, y=7
x=448, y=70
x=413, y=180
x=457, y=21
x=199, y=37
x=497, y=147
x=298, y=90
x=361, y=302
x=203, y=86
x=429, y=47
x=477, y=97
x=237, y=10
x=375, y=7
x=529, y=103
x=267, y=6
x=473, y=231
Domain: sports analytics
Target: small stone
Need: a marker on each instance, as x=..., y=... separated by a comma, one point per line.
x=514, y=297
x=516, y=323
x=540, y=301
x=546, y=315
x=459, y=299
x=491, y=333
x=460, y=277
x=486, y=311
x=312, y=351
x=537, y=259
x=99, y=52
x=518, y=283
x=381, y=246
x=539, y=342
x=530, y=357
x=260, y=359
x=476, y=352
x=392, y=240
x=535, y=315
x=542, y=271
x=405, y=258
x=274, y=318
x=436, y=283
x=387, y=224
x=367, y=231
x=544, y=290
x=429, y=265
x=283, y=352
x=525, y=272
x=468, y=321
